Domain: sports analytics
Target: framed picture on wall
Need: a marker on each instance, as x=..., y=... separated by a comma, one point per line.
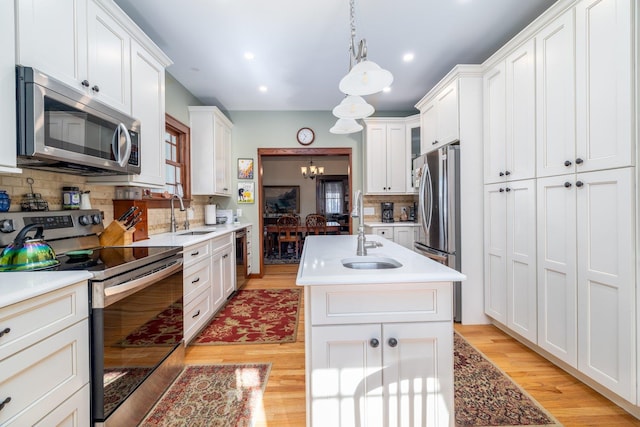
x=245, y=168
x=246, y=192
x=281, y=198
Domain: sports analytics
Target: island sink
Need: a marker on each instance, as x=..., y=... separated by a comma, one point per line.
x=370, y=263
x=196, y=233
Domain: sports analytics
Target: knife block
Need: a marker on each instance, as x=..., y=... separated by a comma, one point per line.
x=116, y=234
x=141, y=229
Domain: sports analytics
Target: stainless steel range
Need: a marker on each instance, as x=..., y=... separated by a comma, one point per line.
x=136, y=310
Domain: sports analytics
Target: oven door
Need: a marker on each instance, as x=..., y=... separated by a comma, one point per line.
x=136, y=323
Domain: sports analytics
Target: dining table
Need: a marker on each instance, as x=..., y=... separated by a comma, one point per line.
x=271, y=233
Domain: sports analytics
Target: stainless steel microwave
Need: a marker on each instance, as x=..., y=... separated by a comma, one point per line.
x=61, y=129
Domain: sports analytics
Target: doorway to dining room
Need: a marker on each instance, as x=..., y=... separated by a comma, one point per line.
x=328, y=194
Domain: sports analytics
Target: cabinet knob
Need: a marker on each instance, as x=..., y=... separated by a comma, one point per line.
x=4, y=402
x=95, y=88
x=567, y=184
x=567, y=162
x=501, y=173
x=85, y=83
x=501, y=190
x=579, y=161
x=373, y=342
x=434, y=142
x=507, y=189
x=5, y=331
x=507, y=173
x=392, y=342
x=579, y=184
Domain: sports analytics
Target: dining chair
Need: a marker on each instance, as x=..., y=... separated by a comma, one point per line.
x=316, y=224
x=288, y=233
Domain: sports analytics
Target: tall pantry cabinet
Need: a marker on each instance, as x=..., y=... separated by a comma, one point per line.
x=584, y=227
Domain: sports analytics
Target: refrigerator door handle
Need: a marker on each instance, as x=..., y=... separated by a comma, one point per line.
x=439, y=257
x=425, y=208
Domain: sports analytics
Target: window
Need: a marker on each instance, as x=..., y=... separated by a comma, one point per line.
x=176, y=152
x=333, y=197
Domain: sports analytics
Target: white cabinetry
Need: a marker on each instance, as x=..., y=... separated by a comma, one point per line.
x=210, y=151
x=197, y=282
x=249, y=234
x=509, y=110
x=510, y=256
x=7, y=90
x=404, y=235
x=388, y=347
x=586, y=270
x=223, y=269
x=585, y=100
x=386, y=156
x=44, y=359
x=439, y=118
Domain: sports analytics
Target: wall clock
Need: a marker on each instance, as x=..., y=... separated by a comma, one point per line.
x=305, y=136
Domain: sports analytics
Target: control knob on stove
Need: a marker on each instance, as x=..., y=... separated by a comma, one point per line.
x=6, y=226
x=84, y=220
x=96, y=219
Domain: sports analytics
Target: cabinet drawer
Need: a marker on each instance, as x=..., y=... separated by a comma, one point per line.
x=196, y=314
x=195, y=253
x=408, y=302
x=220, y=242
x=43, y=376
x=37, y=318
x=196, y=278
x=74, y=412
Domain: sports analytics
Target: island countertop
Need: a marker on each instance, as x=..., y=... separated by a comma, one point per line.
x=321, y=263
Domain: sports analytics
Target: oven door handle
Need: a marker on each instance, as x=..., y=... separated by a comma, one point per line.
x=116, y=293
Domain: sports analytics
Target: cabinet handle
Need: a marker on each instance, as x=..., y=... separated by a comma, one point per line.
x=4, y=402
x=95, y=88
x=196, y=315
x=567, y=184
x=195, y=253
x=5, y=331
x=434, y=142
x=225, y=256
x=392, y=342
x=501, y=173
x=507, y=189
x=501, y=190
x=85, y=83
x=579, y=161
x=579, y=184
x=567, y=162
x=373, y=342
x=195, y=280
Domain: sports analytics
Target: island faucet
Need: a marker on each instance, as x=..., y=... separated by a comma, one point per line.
x=358, y=212
x=174, y=223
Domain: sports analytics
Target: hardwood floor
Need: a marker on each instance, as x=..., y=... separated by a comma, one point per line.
x=569, y=400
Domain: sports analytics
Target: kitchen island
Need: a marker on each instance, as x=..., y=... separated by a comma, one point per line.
x=378, y=341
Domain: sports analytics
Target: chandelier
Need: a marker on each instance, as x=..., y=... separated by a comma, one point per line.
x=312, y=170
x=364, y=78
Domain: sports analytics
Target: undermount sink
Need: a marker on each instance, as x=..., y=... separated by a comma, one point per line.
x=196, y=233
x=370, y=263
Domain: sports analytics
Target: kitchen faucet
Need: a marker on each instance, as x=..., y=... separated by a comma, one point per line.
x=358, y=212
x=174, y=223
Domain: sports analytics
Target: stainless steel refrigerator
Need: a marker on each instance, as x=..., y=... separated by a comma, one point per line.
x=438, y=174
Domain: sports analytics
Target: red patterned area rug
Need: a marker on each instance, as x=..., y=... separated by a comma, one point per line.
x=164, y=329
x=255, y=316
x=485, y=396
x=212, y=395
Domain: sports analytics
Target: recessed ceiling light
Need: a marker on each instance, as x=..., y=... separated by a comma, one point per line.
x=408, y=57
x=263, y=88
x=249, y=56
x=387, y=89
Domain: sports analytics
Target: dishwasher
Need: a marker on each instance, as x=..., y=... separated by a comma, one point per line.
x=241, y=259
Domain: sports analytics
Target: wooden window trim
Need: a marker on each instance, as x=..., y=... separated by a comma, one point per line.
x=157, y=200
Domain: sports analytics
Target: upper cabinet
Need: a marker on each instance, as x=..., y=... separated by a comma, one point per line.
x=439, y=118
x=414, y=149
x=7, y=91
x=509, y=117
x=210, y=151
x=385, y=151
x=584, y=113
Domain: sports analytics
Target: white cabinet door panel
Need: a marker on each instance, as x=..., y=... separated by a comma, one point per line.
x=447, y=100
x=557, y=299
x=495, y=303
x=606, y=275
x=495, y=132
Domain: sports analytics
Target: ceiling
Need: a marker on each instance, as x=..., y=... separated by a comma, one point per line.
x=301, y=51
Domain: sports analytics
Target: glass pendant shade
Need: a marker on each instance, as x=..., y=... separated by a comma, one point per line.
x=344, y=126
x=353, y=107
x=365, y=78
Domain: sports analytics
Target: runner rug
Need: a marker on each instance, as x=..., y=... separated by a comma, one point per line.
x=212, y=395
x=485, y=396
x=255, y=316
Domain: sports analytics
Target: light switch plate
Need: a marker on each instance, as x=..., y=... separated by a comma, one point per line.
x=369, y=211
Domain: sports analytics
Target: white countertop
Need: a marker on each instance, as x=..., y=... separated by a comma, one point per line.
x=180, y=238
x=19, y=286
x=321, y=263
x=393, y=224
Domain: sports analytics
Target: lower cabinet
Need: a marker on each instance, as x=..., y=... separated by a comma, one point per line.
x=380, y=355
x=223, y=269
x=44, y=359
x=586, y=271
x=404, y=235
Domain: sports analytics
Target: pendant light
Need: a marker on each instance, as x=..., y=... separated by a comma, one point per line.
x=353, y=107
x=344, y=126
